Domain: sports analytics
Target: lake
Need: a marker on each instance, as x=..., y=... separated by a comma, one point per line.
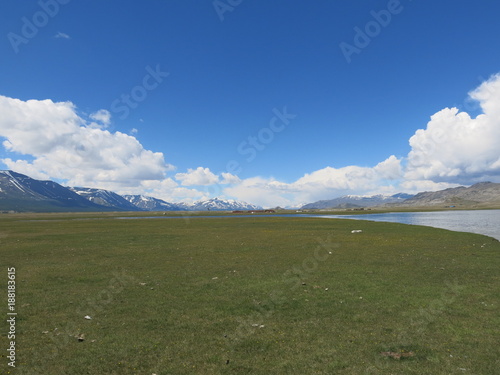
x=485, y=222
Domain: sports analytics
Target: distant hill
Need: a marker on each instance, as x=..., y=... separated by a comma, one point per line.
x=481, y=193
x=354, y=201
x=21, y=193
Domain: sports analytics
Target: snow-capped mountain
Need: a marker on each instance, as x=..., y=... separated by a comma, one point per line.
x=105, y=198
x=152, y=204
x=24, y=194
x=216, y=204
x=351, y=201
x=21, y=193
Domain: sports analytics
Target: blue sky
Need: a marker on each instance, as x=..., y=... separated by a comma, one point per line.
x=281, y=102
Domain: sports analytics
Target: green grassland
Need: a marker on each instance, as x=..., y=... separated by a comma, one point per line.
x=259, y=295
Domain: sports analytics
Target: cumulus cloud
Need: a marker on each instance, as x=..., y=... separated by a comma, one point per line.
x=168, y=190
x=325, y=183
x=417, y=186
x=456, y=148
x=53, y=141
x=63, y=145
x=262, y=191
x=102, y=116
x=204, y=177
x=389, y=169
x=228, y=178
x=199, y=176
x=347, y=180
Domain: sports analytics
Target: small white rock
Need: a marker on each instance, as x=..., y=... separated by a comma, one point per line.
x=87, y=317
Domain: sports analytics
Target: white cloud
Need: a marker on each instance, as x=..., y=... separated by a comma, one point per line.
x=417, y=186
x=347, y=180
x=389, y=169
x=53, y=141
x=65, y=146
x=103, y=116
x=166, y=189
x=199, y=176
x=261, y=191
x=27, y=168
x=61, y=35
x=456, y=148
x=325, y=183
x=205, y=177
x=228, y=178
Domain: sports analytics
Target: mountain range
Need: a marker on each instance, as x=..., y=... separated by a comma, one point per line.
x=21, y=193
x=354, y=201
x=480, y=194
x=214, y=204
x=483, y=194
x=151, y=204
x=106, y=198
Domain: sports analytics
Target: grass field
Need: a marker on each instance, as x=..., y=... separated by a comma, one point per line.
x=264, y=295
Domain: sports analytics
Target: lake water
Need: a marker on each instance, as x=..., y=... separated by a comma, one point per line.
x=478, y=221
